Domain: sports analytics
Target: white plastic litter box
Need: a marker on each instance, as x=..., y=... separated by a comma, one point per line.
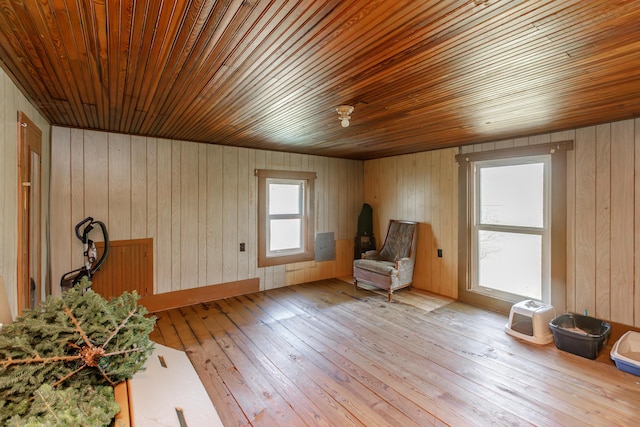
x=529, y=321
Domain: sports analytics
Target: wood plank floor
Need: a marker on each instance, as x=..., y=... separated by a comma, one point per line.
x=325, y=354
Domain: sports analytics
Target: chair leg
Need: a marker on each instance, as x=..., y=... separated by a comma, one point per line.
x=355, y=284
x=390, y=294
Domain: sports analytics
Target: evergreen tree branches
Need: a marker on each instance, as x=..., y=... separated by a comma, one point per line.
x=79, y=341
x=52, y=406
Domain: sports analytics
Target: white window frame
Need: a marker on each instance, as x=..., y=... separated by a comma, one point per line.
x=544, y=231
x=300, y=183
x=557, y=222
x=267, y=257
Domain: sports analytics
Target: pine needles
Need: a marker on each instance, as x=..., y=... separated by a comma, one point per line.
x=72, y=348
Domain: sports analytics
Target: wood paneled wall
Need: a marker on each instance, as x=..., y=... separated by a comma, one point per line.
x=603, y=214
x=197, y=201
x=12, y=101
x=603, y=218
x=420, y=187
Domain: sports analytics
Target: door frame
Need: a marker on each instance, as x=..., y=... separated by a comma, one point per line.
x=29, y=141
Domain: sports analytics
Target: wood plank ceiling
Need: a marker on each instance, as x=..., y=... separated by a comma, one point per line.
x=268, y=74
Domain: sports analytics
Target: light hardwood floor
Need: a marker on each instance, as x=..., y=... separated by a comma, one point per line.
x=325, y=354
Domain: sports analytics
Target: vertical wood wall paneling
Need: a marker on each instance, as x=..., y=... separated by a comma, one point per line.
x=215, y=194
x=571, y=230
x=152, y=203
x=636, y=225
x=259, y=159
x=323, y=186
x=119, y=185
x=450, y=223
x=275, y=276
x=138, y=187
x=611, y=293
x=310, y=271
x=96, y=177
x=230, y=215
x=422, y=271
x=242, y=208
x=343, y=202
x=453, y=259
x=622, y=221
x=334, y=188
x=77, y=208
x=189, y=215
x=507, y=143
x=323, y=214
x=437, y=239
x=568, y=135
x=420, y=187
x=352, y=200
x=61, y=210
x=540, y=139
x=6, y=157
x=202, y=215
x=198, y=203
x=164, y=217
x=519, y=142
x=176, y=215
x=603, y=221
x=603, y=246
x=585, y=218
x=408, y=184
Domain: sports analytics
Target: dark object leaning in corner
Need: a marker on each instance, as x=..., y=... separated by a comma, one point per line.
x=365, y=240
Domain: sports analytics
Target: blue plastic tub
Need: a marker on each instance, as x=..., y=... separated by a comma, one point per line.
x=626, y=353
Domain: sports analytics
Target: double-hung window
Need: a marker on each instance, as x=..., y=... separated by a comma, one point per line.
x=512, y=225
x=510, y=236
x=286, y=221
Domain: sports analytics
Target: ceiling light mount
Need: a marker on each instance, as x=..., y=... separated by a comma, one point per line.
x=344, y=114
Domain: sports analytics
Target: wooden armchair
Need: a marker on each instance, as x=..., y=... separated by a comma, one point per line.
x=392, y=267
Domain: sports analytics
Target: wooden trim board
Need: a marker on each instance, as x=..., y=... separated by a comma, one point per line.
x=121, y=394
x=185, y=297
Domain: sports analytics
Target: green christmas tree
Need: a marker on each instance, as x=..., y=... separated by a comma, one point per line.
x=79, y=341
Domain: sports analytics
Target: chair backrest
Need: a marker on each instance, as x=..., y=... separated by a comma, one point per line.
x=400, y=241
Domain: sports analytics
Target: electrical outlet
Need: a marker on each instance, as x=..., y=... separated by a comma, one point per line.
x=241, y=247
x=439, y=253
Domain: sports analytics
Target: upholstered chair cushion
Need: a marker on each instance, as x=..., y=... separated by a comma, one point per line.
x=398, y=243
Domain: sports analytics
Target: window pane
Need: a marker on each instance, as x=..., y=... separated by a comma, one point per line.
x=512, y=195
x=510, y=262
x=284, y=199
x=285, y=234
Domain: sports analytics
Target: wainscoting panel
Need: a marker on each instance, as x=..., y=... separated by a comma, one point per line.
x=128, y=267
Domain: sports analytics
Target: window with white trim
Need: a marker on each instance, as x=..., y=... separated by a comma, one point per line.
x=512, y=225
x=285, y=218
x=510, y=237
